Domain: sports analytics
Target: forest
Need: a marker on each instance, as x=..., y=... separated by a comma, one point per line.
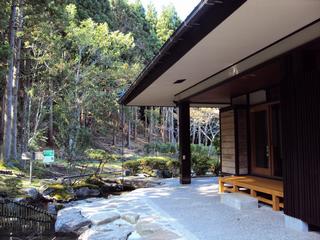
x=63, y=66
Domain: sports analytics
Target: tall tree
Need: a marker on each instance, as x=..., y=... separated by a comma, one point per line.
x=16, y=82
x=9, y=84
x=167, y=23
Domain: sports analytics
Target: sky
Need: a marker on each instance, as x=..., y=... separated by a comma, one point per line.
x=183, y=7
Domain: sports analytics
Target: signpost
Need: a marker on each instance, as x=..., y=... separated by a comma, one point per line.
x=48, y=156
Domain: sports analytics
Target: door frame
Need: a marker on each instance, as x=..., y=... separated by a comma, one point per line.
x=267, y=172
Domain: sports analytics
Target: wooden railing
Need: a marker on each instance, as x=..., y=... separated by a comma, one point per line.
x=23, y=218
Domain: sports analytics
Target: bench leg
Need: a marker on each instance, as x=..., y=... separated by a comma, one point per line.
x=221, y=186
x=253, y=193
x=275, y=203
x=235, y=188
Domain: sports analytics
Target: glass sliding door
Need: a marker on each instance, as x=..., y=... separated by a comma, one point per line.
x=260, y=155
x=266, y=140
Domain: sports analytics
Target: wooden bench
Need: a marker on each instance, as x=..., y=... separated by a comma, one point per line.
x=256, y=187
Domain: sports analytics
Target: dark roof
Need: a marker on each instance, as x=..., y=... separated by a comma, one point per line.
x=202, y=20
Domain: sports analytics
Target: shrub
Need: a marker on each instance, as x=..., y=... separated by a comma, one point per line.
x=202, y=162
x=173, y=166
x=214, y=165
x=147, y=165
x=132, y=165
x=165, y=148
x=100, y=155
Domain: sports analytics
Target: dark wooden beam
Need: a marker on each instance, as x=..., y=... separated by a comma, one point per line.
x=184, y=143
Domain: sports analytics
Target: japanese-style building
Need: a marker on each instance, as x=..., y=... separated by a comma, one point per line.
x=257, y=61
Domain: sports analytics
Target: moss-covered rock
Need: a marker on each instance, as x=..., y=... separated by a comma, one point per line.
x=57, y=192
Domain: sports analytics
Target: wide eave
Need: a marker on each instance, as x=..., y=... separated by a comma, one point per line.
x=213, y=42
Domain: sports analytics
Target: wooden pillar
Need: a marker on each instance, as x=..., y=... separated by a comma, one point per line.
x=184, y=140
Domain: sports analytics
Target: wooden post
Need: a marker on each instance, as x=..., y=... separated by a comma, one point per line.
x=275, y=203
x=221, y=185
x=184, y=140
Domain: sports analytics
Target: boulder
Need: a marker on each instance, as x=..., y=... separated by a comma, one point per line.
x=70, y=220
x=57, y=192
x=52, y=208
x=111, y=187
x=117, y=230
x=87, y=192
x=31, y=193
x=3, y=194
x=130, y=217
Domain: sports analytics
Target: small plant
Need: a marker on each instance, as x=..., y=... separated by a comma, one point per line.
x=100, y=155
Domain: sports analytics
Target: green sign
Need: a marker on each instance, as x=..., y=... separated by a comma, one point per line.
x=48, y=156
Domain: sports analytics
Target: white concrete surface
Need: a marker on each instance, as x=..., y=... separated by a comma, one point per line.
x=296, y=224
x=195, y=212
x=239, y=201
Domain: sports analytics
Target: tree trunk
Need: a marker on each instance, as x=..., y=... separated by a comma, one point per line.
x=50, y=123
x=199, y=134
x=150, y=125
x=145, y=122
x=2, y=125
x=173, y=140
x=9, y=84
x=16, y=85
x=135, y=117
x=129, y=134
x=75, y=126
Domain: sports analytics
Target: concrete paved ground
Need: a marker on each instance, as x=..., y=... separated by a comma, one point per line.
x=196, y=212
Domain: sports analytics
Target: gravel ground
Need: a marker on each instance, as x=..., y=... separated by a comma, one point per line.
x=196, y=212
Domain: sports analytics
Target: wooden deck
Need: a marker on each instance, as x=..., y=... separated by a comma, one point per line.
x=265, y=190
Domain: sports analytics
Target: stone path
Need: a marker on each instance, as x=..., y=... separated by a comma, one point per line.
x=119, y=218
x=173, y=211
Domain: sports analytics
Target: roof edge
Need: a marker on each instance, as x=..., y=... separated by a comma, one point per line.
x=206, y=16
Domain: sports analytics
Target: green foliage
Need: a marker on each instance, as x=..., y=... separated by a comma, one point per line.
x=167, y=23
x=84, y=138
x=149, y=164
x=132, y=165
x=165, y=148
x=202, y=162
x=38, y=140
x=79, y=57
x=98, y=154
x=97, y=10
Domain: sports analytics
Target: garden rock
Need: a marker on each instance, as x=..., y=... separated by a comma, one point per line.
x=118, y=230
x=62, y=194
x=31, y=193
x=130, y=217
x=87, y=192
x=52, y=209
x=71, y=221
